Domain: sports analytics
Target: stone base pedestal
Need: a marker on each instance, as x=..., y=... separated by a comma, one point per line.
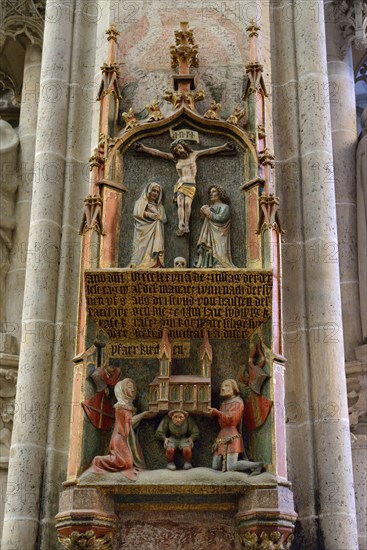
x=265, y=518
x=148, y=517
x=86, y=519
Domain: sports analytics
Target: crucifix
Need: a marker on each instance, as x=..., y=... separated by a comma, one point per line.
x=185, y=188
x=184, y=54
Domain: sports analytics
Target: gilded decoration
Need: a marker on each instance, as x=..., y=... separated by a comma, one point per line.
x=154, y=112
x=185, y=50
x=213, y=111
x=130, y=119
x=112, y=33
x=183, y=98
x=86, y=541
x=238, y=114
x=266, y=541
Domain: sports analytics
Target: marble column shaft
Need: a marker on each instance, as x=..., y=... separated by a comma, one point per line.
x=21, y=521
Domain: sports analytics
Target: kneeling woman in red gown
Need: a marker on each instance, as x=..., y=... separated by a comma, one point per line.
x=125, y=454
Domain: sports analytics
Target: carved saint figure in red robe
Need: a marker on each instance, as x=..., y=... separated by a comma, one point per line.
x=125, y=454
x=229, y=443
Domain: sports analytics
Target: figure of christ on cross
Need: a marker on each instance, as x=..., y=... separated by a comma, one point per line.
x=185, y=188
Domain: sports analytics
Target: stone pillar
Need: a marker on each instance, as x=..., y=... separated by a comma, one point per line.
x=300, y=449
x=9, y=142
x=13, y=296
x=357, y=399
x=78, y=149
x=8, y=382
x=8, y=188
x=344, y=135
x=26, y=464
x=336, y=507
x=319, y=443
x=27, y=137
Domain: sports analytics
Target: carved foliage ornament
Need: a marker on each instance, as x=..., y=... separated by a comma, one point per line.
x=351, y=16
x=185, y=49
x=266, y=541
x=86, y=541
x=179, y=98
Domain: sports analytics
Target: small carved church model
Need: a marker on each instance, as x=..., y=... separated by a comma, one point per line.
x=188, y=392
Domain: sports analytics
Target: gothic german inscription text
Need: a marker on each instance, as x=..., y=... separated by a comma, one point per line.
x=139, y=304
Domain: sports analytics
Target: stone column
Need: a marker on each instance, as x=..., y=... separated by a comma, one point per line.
x=344, y=138
x=344, y=135
x=26, y=464
x=357, y=398
x=27, y=138
x=336, y=506
x=78, y=150
x=300, y=448
x=13, y=297
x=8, y=189
x=318, y=429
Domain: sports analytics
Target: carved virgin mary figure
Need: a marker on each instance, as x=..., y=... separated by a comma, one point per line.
x=149, y=220
x=214, y=248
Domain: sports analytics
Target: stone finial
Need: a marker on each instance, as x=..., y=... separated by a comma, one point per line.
x=253, y=29
x=183, y=98
x=92, y=215
x=184, y=54
x=112, y=33
x=267, y=158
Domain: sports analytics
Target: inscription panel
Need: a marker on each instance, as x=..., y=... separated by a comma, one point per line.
x=147, y=349
x=131, y=304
